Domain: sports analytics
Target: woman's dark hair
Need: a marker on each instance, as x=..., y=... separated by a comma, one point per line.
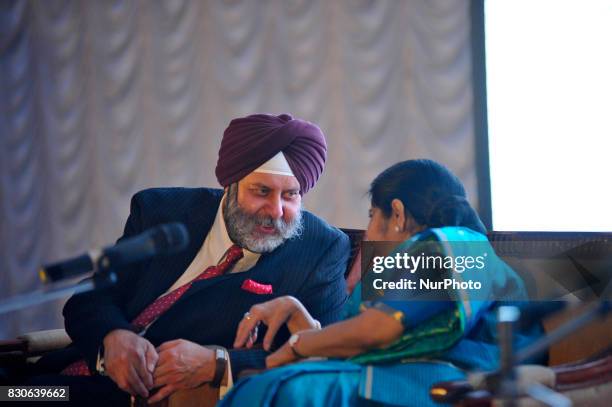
x=431, y=194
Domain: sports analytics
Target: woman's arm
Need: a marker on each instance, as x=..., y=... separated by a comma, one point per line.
x=371, y=329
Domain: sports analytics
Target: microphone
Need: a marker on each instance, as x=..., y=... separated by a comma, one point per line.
x=163, y=239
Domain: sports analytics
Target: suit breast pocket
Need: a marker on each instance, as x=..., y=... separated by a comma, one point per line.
x=255, y=287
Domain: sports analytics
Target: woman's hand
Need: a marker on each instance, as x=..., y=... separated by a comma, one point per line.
x=283, y=355
x=274, y=314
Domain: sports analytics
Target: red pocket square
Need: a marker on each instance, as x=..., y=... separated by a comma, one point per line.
x=255, y=287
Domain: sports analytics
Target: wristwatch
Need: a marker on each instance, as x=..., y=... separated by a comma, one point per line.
x=293, y=340
x=220, y=367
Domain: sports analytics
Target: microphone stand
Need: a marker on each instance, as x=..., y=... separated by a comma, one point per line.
x=102, y=277
x=504, y=383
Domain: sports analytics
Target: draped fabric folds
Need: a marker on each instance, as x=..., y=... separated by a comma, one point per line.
x=100, y=99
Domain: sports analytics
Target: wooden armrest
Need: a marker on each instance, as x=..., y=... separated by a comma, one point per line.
x=201, y=396
x=584, y=375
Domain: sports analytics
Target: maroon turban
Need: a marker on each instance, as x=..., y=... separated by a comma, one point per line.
x=250, y=141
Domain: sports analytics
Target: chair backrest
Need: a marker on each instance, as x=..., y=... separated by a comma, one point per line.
x=522, y=245
x=530, y=244
x=582, y=240
x=355, y=237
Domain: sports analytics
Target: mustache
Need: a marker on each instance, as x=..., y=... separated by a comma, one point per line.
x=267, y=221
x=242, y=226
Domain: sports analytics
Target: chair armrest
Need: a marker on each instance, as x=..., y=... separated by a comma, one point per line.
x=577, y=376
x=201, y=396
x=16, y=353
x=35, y=343
x=13, y=345
x=43, y=341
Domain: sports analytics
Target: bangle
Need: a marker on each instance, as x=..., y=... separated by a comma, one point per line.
x=292, y=342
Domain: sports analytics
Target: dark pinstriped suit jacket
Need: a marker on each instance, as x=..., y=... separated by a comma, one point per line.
x=310, y=268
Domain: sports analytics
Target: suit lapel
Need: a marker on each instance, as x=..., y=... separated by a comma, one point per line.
x=167, y=270
x=262, y=272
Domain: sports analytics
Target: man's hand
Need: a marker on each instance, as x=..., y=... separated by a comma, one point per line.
x=182, y=365
x=130, y=361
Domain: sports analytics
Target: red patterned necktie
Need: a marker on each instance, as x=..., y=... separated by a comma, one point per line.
x=163, y=303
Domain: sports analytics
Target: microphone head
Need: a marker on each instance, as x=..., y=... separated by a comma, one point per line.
x=65, y=269
x=170, y=238
x=163, y=239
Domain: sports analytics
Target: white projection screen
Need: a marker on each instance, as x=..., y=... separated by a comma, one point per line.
x=549, y=106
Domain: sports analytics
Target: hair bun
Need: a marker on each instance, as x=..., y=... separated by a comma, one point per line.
x=453, y=210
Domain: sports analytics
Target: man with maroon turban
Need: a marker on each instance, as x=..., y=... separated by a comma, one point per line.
x=249, y=242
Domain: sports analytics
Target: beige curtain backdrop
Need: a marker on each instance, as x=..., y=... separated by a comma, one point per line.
x=99, y=99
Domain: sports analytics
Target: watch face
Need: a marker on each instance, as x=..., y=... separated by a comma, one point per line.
x=220, y=354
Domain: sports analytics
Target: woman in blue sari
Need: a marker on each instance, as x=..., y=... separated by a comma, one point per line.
x=389, y=351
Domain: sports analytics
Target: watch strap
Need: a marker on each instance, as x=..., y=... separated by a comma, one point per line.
x=220, y=366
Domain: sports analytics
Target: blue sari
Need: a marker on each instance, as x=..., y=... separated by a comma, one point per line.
x=441, y=341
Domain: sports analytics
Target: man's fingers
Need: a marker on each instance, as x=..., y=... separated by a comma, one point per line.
x=167, y=345
x=164, y=361
x=162, y=371
x=161, y=394
x=136, y=386
x=140, y=366
x=152, y=357
x=163, y=357
x=163, y=379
